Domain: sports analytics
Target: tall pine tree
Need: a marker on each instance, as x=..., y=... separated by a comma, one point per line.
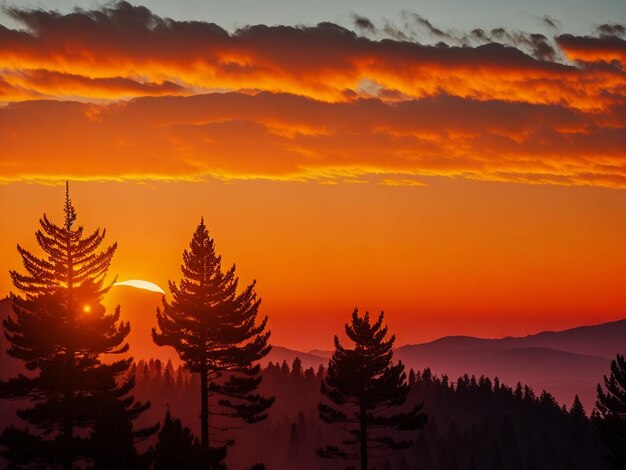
x=364, y=386
x=611, y=405
x=60, y=329
x=215, y=332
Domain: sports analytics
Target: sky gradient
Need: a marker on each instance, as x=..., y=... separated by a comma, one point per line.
x=467, y=179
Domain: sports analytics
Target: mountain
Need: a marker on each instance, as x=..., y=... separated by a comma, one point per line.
x=565, y=363
x=602, y=340
x=321, y=353
x=138, y=306
x=280, y=354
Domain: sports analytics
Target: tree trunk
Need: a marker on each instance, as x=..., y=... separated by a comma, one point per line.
x=68, y=431
x=204, y=404
x=363, y=437
x=68, y=423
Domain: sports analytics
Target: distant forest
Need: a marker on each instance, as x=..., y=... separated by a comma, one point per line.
x=473, y=423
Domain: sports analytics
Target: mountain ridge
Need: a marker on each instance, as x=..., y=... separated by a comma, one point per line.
x=567, y=362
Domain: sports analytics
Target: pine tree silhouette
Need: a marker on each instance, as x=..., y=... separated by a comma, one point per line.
x=611, y=421
x=60, y=329
x=176, y=447
x=577, y=411
x=215, y=333
x=364, y=384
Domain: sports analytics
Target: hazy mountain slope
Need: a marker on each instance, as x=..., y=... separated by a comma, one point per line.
x=564, y=362
x=604, y=340
x=280, y=354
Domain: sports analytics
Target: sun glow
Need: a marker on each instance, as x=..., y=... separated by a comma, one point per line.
x=87, y=309
x=141, y=284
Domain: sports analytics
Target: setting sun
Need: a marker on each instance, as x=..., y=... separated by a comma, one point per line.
x=140, y=284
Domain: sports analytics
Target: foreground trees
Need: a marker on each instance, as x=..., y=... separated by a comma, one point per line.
x=60, y=330
x=611, y=420
x=364, y=384
x=214, y=331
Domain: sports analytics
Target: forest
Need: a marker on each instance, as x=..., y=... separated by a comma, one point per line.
x=83, y=402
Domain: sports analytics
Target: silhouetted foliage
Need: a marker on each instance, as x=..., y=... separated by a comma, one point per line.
x=611, y=419
x=60, y=330
x=176, y=447
x=466, y=419
x=214, y=331
x=364, y=384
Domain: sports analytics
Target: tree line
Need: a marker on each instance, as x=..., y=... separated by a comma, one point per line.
x=80, y=410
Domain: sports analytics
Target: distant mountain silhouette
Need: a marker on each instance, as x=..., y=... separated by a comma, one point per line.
x=603, y=340
x=138, y=306
x=565, y=362
x=280, y=354
x=321, y=352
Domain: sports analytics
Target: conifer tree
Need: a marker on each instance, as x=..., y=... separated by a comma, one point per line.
x=577, y=410
x=215, y=332
x=176, y=447
x=60, y=329
x=611, y=420
x=363, y=385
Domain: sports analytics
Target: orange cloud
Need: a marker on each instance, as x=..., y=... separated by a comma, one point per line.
x=594, y=49
x=324, y=62
x=38, y=84
x=283, y=136
x=121, y=93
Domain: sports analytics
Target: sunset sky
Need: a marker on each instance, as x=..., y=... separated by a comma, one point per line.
x=464, y=172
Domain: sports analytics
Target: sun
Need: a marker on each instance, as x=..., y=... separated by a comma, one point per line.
x=87, y=308
x=141, y=284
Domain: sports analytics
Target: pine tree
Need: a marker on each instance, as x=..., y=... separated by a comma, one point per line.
x=296, y=368
x=364, y=385
x=176, y=447
x=214, y=331
x=60, y=329
x=577, y=411
x=611, y=405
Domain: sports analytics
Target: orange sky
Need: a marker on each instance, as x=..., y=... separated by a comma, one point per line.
x=474, y=187
x=453, y=257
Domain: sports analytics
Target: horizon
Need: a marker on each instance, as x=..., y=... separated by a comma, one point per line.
x=328, y=347
x=417, y=318
x=465, y=178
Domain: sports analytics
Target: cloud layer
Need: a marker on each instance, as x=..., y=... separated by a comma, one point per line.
x=122, y=93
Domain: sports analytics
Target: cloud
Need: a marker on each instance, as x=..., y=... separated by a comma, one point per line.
x=550, y=22
x=420, y=20
x=594, y=49
x=120, y=92
x=288, y=137
x=38, y=84
x=611, y=29
x=325, y=62
x=363, y=24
